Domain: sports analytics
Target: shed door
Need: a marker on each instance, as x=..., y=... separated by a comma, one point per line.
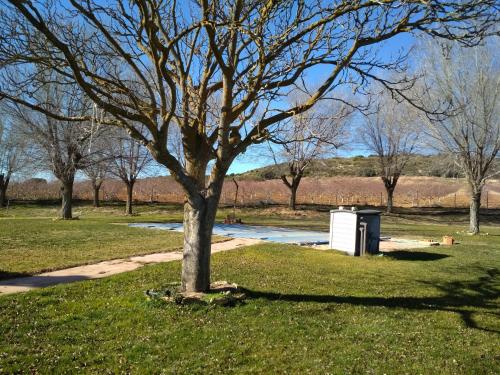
x=343, y=232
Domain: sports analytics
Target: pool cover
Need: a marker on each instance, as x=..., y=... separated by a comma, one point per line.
x=273, y=234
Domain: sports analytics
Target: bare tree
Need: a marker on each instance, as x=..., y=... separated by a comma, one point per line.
x=128, y=160
x=392, y=133
x=208, y=66
x=305, y=138
x=12, y=155
x=466, y=82
x=60, y=146
x=96, y=171
x=98, y=160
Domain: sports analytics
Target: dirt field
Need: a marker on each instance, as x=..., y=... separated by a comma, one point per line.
x=410, y=192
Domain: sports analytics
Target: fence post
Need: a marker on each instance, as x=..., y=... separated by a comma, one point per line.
x=487, y=199
x=455, y=200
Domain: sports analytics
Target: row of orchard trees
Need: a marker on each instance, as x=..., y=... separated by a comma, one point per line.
x=217, y=70
x=450, y=106
x=32, y=142
x=461, y=99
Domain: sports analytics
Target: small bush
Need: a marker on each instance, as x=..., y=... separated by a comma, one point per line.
x=367, y=172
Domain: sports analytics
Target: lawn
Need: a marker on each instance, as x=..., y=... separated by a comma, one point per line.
x=33, y=240
x=433, y=311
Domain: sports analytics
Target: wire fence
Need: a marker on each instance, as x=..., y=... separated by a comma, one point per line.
x=332, y=191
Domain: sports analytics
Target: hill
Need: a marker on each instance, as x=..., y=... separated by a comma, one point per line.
x=361, y=166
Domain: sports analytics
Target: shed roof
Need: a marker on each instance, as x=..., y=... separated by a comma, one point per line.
x=360, y=212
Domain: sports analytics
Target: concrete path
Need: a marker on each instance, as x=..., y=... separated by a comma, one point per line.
x=391, y=244
x=106, y=268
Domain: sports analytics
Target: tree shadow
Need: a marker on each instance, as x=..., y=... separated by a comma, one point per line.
x=461, y=297
x=4, y=275
x=414, y=255
x=41, y=281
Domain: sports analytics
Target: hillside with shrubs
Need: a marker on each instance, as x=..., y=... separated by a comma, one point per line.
x=363, y=166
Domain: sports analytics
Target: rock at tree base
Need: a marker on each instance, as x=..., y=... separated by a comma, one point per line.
x=221, y=293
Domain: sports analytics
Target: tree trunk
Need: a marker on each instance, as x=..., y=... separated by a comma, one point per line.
x=4, y=184
x=67, y=199
x=199, y=218
x=200, y=209
x=390, y=183
x=475, y=204
x=293, y=198
x=390, y=203
x=293, y=186
x=96, y=195
x=128, y=205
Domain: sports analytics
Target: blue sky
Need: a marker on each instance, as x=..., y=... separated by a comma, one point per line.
x=255, y=156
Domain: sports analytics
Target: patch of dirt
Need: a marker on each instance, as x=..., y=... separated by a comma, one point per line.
x=221, y=293
x=287, y=212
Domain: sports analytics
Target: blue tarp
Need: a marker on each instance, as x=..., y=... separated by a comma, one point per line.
x=274, y=234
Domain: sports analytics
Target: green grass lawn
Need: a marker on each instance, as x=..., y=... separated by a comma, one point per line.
x=309, y=311
x=432, y=311
x=33, y=241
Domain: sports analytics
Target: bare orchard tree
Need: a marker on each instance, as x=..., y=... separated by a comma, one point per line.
x=98, y=160
x=305, y=138
x=13, y=150
x=128, y=160
x=96, y=171
x=209, y=66
x=467, y=82
x=58, y=146
x=392, y=133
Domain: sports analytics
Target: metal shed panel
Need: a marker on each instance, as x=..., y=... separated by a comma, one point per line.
x=343, y=231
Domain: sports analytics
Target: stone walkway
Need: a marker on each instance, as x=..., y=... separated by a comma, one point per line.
x=106, y=268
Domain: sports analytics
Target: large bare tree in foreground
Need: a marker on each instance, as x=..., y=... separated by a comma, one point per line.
x=392, y=133
x=467, y=82
x=208, y=67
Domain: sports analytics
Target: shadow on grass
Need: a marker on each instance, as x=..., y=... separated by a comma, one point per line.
x=461, y=297
x=39, y=281
x=414, y=255
x=4, y=275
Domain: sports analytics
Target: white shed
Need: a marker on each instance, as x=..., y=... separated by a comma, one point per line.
x=355, y=232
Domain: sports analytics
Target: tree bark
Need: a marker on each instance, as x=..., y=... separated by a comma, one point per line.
x=475, y=204
x=199, y=218
x=67, y=199
x=293, y=198
x=200, y=209
x=293, y=186
x=128, y=205
x=96, y=195
x=4, y=184
x=390, y=183
x=390, y=200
